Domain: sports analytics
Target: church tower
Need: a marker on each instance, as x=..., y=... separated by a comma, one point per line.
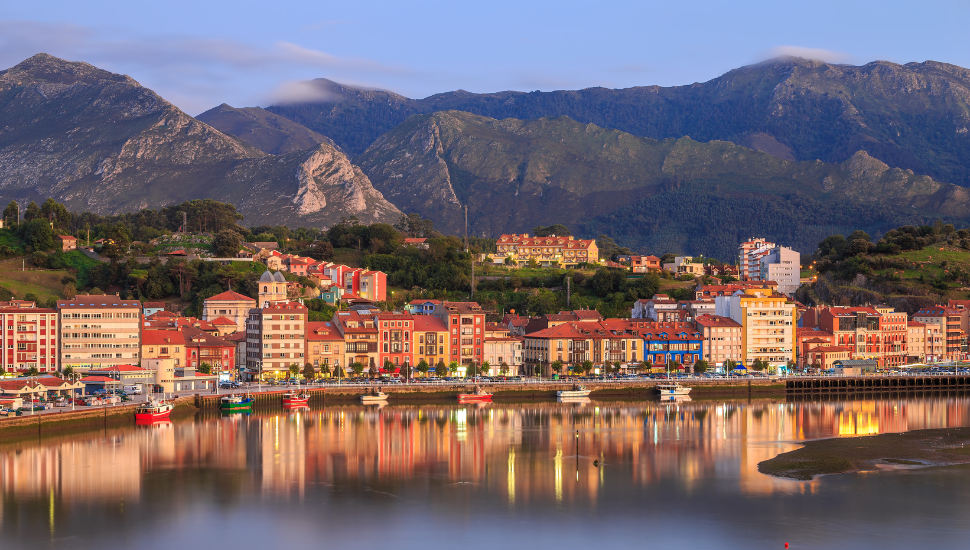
x=272, y=288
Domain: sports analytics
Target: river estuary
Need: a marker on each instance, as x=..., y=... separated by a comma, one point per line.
x=603, y=474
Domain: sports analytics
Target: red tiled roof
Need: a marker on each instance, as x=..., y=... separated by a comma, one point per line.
x=716, y=321
x=222, y=321
x=321, y=331
x=158, y=337
x=230, y=296
x=429, y=323
x=90, y=379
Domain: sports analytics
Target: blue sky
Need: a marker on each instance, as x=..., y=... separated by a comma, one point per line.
x=201, y=53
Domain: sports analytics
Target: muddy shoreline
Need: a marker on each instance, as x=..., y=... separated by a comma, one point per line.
x=918, y=448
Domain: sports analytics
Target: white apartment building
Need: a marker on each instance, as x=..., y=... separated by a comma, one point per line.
x=748, y=254
x=783, y=266
x=767, y=324
x=99, y=332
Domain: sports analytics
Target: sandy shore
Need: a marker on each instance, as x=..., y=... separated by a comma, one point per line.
x=938, y=447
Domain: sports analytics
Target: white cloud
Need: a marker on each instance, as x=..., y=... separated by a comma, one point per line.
x=817, y=54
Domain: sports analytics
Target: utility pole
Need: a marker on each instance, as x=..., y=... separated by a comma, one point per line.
x=466, y=228
x=569, y=280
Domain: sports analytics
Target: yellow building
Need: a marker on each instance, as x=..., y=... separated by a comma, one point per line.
x=767, y=324
x=546, y=251
x=430, y=340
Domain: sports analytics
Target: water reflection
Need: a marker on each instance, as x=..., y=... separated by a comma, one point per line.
x=523, y=457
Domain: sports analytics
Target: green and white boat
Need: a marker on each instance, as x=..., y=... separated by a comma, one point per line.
x=236, y=403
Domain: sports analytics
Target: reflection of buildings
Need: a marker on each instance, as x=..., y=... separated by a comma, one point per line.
x=522, y=453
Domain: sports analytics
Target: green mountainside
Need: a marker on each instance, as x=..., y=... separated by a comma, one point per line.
x=262, y=129
x=913, y=116
x=658, y=196
x=100, y=142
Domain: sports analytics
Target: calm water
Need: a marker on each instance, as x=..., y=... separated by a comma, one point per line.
x=496, y=476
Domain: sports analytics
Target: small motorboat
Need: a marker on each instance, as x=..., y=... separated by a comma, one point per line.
x=153, y=411
x=374, y=398
x=479, y=395
x=293, y=399
x=577, y=392
x=236, y=403
x=667, y=390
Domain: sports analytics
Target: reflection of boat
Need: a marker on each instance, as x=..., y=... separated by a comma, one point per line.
x=153, y=410
x=293, y=399
x=577, y=391
x=236, y=403
x=376, y=397
x=576, y=400
x=160, y=423
x=675, y=399
x=479, y=395
x=672, y=389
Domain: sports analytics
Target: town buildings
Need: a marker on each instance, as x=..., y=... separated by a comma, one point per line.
x=783, y=266
x=395, y=338
x=98, y=331
x=324, y=345
x=431, y=340
x=948, y=320
x=360, y=335
x=276, y=338
x=466, y=325
x=230, y=305
x=749, y=257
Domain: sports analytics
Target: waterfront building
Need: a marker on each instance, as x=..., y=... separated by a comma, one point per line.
x=276, y=338
x=466, y=325
x=360, y=335
x=948, y=320
x=767, y=325
x=31, y=337
x=502, y=347
x=324, y=345
x=722, y=339
x=395, y=338
x=430, y=340
x=98, y=331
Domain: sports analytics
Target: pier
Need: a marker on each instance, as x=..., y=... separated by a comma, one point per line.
x=876, y=384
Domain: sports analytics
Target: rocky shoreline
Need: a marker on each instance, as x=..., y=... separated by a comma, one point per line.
x=918, y=448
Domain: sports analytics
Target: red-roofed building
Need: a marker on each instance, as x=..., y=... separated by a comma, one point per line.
x=466, y=325
x=276, y=339
x=202, y=348
x=361, y=336
x=230, y=305
x=395, y=329
x=547, y=251
x=416, y=243
x=430, y=341
x=823, y=357
x=722, y=339
x=68, y=243
x=324, y=345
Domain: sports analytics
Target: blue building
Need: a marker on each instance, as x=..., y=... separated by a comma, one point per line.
x=672, y=342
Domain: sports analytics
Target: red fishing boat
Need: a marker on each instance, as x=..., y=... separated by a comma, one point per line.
x=292, y=399
x=153, y=411
x=479, y=395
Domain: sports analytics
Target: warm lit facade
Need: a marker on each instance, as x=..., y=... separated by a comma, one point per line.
x=99, y=331
x=749, y=256
x=231, y=305
x=276, y=339
x=31, y=338
x=360, y=336
x=466, y=325
x=430, y=340
x=948, y=320
x=395, y=338
x=722, y=339
x=768, y=325
x=324, y=345
x=546, y=251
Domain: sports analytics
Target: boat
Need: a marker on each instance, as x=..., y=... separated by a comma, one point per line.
x=236, y=403
x=577, y=391
x=667, y=390
x=376, y=397
x=153, y=411
x=293, y=399
x=479, y=395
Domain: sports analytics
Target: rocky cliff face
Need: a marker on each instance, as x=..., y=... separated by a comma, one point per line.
x=101, y=142
x=914, y=116
x=516, y=174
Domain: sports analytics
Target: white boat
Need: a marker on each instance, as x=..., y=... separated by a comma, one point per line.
x=376, y=397
x=667, y=390
x=577, y=391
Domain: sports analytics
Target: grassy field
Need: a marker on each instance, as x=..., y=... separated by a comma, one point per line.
x=932, y=265
x=43, y=284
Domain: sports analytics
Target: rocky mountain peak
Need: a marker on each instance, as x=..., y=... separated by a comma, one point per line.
x=44, y=67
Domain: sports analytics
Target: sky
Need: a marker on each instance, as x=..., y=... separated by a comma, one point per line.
x=201, y=53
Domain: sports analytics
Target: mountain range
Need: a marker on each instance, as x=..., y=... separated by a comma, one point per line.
x=790, y=149
x=101, y=142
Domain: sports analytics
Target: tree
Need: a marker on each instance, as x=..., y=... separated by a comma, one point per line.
x=205, y=368
x=471, y=371
x=504, y=369
x=486, y=369
x=759, y=364
x=69, y=291
x=701, y=366
x=11, y=212
x=357, y=367
x=373, y=371
x=441, y=369
x=324, y=370
x=38, y=234
x=67, y=372
x=33, y=371
x=388, y=367
x=226, y=243
x=453, y=368
x=339, y=372
x=607, y=367
x=308, y=372
x=556, y=229
x=321, y=250
x=32, y=212
x=423, y=367
x=587, y=366
x=406, y=370
x=294, y=370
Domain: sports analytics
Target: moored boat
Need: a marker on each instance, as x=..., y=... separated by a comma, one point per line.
x=376, y=397
x=236, y=403
x=667, y=390
x=293, y=399
x=479, y=395
x=153, y=411
x=577, y=391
